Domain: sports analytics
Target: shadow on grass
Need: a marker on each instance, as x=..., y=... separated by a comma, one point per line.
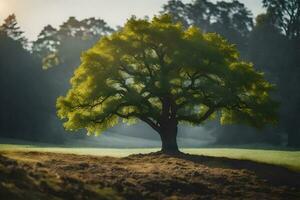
x=275, y=175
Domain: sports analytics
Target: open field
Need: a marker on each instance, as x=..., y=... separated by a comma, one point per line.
x=43, y=171
x=285, y=158
x=47, y=175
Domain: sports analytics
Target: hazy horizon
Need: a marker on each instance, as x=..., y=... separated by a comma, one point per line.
x=33, y=15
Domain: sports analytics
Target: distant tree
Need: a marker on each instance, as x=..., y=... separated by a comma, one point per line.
x=201, y=13
x=58, y=50
x=178, y=11
x=11, y=28
x=233, y=21
x=162, y=74
x=58, y=47
x=286, y=14
x=230, y=19
x=278, y=55
x=25, y=92
x=46, y=43
x=266, y=45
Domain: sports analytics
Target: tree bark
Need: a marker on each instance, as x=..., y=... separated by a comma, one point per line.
x=168, y=137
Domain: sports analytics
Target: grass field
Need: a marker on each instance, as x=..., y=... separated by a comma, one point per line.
x=288, y=159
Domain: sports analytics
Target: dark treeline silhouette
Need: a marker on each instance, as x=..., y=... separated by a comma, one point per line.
x=24, y=87
x=270, y=40
x=28, y=92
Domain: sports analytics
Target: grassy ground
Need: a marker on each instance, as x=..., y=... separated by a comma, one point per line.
x=288, y=159
x=43, y=171
x=59, y=176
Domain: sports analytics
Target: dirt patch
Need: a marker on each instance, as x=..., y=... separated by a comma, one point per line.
x=150, y=176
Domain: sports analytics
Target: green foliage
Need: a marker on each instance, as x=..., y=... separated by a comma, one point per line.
x=155, y=71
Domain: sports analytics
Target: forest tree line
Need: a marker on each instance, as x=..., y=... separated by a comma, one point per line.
x=33, y=74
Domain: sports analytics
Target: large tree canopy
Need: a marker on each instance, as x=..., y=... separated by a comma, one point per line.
x=163, y=74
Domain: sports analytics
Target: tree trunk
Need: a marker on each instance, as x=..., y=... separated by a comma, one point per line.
x=168, y=137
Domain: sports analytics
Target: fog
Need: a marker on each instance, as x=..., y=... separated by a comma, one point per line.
x=140, y=136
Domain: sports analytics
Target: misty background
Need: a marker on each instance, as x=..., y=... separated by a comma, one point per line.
x=39, y=55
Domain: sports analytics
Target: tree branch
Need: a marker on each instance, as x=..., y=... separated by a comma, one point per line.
x=195, y=118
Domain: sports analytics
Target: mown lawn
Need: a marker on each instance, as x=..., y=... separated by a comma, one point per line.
x=289, y=159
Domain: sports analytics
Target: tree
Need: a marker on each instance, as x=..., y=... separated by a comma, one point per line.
x=25, y=92
x=200, y=13
x=11, y=28
x=162, y=74
x=55, y=47
x=58, y=50
x=47, y=42
x=268, y=49
x=178, y=11
x=274, y=48
x=231, y=19
x=286, y=14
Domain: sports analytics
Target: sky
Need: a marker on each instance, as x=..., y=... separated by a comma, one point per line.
x=33, y=15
